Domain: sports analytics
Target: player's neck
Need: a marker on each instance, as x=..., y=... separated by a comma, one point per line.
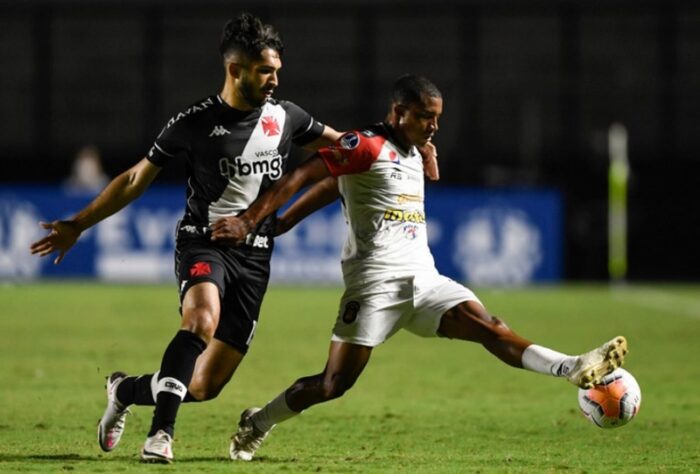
x=233, y=98
x=396, y=136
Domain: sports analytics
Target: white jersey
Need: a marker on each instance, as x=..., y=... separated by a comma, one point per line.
x=382, y=192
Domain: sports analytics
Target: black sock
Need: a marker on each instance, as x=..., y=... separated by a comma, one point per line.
x=137, y=391
x=178, y=365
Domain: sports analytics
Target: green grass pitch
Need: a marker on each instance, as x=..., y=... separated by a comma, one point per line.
x=422, y=405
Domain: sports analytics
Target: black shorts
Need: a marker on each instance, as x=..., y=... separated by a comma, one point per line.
x=241, y=276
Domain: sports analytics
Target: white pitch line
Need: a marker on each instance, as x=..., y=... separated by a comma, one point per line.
x=659, y=300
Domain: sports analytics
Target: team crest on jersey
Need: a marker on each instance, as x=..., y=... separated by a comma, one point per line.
x=350, y=312
x=394, y=157
x=200, y=269
x=410, y=231
x=349, y=141
x=270, y=126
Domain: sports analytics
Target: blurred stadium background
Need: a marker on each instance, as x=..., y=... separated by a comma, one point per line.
x=531, y=90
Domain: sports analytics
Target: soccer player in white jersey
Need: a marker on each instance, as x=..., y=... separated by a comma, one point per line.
x=390, y=277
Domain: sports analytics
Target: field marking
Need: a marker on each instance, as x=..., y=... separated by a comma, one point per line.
x=667, y=302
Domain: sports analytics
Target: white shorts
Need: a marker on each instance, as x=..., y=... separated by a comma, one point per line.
x=371, y=314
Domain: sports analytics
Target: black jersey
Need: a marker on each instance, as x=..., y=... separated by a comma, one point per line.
x=232, y=156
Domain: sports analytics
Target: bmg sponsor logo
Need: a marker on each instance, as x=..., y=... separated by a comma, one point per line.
x=242, y=167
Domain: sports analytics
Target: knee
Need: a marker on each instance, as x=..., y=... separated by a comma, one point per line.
x=203, y=391
x=335, y=387
x=472, y=322
x=201, y=320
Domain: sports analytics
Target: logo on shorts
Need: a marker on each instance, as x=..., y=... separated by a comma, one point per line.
x=350, y=313
x=200, y=269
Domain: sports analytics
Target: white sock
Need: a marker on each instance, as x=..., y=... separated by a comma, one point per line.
x=546, y=361
x=276, y=411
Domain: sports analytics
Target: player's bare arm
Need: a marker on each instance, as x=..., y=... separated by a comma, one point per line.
x=234, y=229
x=118, y=193
x=319, y=195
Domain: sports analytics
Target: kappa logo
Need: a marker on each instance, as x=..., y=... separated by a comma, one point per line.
x=219, y=131
x=270, y=126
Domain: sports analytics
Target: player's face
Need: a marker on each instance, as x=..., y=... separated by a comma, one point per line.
x=258, y=78
x=418, y=122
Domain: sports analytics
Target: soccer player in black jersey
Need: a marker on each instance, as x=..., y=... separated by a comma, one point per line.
x=235, y=145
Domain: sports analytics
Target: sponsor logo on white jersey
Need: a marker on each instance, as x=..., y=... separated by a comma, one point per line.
x=219, y=131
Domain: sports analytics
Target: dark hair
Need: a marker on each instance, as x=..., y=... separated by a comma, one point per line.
x=247, y=34
x=410, y=89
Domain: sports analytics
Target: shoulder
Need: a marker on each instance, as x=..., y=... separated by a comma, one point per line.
x=193, y=111
x=367, y=139
x=288, y=106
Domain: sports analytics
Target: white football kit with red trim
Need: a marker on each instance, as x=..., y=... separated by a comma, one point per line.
x=390, y=276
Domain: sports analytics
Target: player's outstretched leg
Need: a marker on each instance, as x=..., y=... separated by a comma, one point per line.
x=158, y=448
x=592, y=366
x=248, y=438
x=111, y=426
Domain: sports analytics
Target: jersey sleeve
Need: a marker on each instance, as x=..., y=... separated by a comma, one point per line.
x=172, y=140
x=305, y=128
x=353, y=153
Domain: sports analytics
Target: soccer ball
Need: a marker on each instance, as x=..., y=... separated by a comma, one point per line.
x=612, y=403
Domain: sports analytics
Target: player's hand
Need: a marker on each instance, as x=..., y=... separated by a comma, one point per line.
x=430, y=164
x=62, y=236
x=232, y=230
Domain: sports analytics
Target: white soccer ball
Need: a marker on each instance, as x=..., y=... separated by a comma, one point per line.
x=612, y=403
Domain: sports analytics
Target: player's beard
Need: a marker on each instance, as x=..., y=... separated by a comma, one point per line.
x=252, y=94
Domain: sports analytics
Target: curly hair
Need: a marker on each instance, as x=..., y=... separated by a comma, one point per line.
x=247, y=34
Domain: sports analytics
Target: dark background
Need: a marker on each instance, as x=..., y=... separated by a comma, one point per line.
x=530, y=88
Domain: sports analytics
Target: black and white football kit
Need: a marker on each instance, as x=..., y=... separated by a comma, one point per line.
x=231, y=157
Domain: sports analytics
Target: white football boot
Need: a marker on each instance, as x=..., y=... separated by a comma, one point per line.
x=158, y=448
x=592, y=366
x=247, y=439
x=111, y=426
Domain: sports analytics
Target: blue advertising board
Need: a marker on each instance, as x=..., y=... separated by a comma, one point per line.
x=478, y=236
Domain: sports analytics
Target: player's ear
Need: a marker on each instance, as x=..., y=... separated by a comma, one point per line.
x=234, y=69
x=399, y=110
